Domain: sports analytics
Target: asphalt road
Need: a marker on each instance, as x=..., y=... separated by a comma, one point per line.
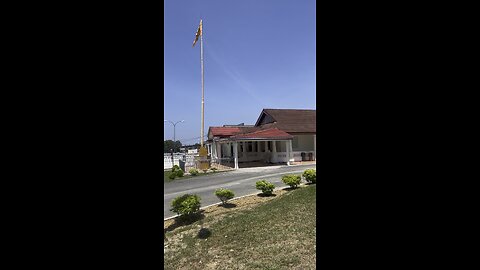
x=241, y=182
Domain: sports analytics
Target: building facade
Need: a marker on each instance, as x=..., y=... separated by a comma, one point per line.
x=279, y=136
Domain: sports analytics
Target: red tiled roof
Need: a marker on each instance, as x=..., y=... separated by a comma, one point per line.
x=285, y=121
x=224, y=131
x=272, y=133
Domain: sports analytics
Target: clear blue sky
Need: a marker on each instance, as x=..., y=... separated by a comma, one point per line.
x=257, y=54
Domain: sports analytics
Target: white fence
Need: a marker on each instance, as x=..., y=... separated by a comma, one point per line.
x=167, y=160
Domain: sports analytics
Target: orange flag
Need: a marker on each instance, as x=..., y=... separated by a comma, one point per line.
x=197, y=34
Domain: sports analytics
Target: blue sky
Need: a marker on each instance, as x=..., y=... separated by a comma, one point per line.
x=257, y=54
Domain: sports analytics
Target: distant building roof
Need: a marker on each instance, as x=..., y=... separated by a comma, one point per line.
x=289, y=120
x=239, y=125
x=271, y=124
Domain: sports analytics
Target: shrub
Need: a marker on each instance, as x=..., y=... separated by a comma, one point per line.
x=265, y=187
x=224, y=195
x=179, y=173
x=175, y=168
x=310, y=175
x=176, y=171
x=172, y=175
x=193, y=172
x=186, y=205
x=292, y=180
x=205, y=171
x=213, y=169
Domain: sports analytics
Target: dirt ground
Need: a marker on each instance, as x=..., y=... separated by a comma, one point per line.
x=211, y=242
x=242, y=203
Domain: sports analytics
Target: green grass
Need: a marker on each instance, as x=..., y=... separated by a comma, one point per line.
x=167, y=172
x=278, y=234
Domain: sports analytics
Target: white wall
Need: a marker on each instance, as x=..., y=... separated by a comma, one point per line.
x=167, y=160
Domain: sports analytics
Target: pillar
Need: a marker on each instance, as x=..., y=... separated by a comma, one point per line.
x=274, y=152
x=289, y=151
x=214, y=150
x=235, y=154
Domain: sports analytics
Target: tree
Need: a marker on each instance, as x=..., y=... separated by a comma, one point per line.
x=169, y=146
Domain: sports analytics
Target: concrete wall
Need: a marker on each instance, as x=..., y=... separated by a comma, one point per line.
x=167, y=160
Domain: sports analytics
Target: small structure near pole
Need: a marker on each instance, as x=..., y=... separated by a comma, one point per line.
x=203, y=163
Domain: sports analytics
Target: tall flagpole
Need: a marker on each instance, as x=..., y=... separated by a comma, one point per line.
x=203, y=93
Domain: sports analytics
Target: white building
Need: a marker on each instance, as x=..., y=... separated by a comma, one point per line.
x=192, y=151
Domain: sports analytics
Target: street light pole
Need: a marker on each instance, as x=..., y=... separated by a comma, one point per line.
x=174, y=125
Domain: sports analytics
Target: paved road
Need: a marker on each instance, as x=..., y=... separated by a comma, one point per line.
x=241, y=182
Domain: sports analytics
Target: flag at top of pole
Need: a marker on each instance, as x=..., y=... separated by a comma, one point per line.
x=198, y=33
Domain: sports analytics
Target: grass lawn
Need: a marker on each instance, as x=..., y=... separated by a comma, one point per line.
x=276, y=234
x=167, y=172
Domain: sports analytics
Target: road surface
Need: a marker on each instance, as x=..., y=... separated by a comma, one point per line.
x=241, y=182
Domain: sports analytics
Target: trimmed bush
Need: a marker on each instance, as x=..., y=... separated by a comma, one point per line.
x=175, y=168
x=193, y=172
x=224, y=195
x=265, y=187
x=172, y=175
x=292, y=180
x=179, y=173
x=186, y=205
x=310, y=175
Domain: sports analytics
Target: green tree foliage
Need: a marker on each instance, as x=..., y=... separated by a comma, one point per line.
x=169, y=145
